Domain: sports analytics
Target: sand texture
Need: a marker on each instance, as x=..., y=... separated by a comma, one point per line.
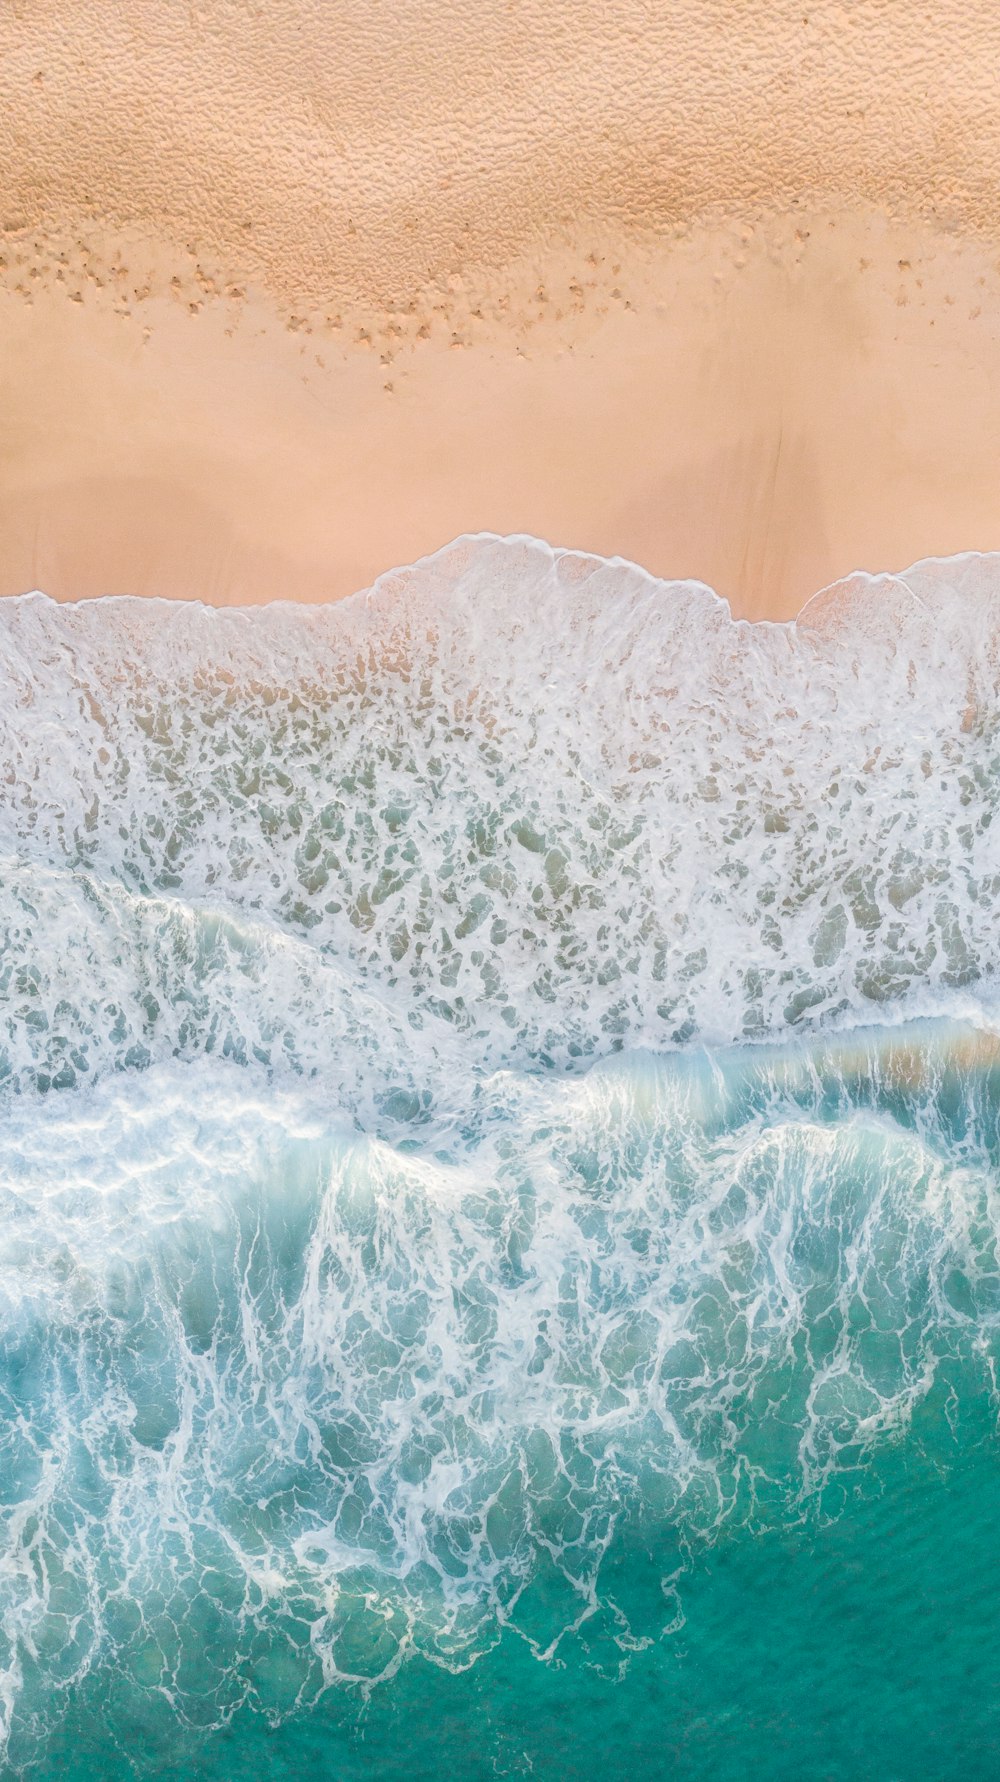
x=291, y=293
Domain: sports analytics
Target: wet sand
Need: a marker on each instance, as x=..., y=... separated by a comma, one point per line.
x=288, y=298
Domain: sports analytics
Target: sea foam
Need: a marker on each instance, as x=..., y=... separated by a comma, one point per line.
x=531, y=805
x=495, y=1074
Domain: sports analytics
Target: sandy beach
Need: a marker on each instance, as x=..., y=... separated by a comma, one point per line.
x=289, y=297
x=500, y=1076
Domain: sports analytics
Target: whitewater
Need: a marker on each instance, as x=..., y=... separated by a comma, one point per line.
x=499, y=1103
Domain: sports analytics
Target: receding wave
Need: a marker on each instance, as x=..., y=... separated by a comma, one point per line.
x=491, y=1072
x=536, y=805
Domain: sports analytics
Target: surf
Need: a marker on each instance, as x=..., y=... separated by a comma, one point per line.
x=497, y=1076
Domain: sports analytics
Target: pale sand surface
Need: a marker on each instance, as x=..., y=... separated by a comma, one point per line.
x=291, y=294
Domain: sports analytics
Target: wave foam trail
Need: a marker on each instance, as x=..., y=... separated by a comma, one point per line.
x=399, y=1228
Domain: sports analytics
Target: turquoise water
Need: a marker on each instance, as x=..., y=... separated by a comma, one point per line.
x=499, y=1134
x=866, y=1649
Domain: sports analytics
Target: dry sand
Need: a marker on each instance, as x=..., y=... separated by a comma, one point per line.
x=293, y=293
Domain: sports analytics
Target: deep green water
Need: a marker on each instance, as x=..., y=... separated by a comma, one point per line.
x=864, y=1649
x=500, y=1182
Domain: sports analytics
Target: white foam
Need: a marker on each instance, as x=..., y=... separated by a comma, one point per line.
x=257, y=1365
x=383, y=1229
x=538, y=801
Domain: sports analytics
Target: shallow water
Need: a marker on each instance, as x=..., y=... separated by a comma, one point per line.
x=499, y=1124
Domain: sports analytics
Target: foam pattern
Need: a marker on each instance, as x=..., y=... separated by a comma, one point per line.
x=538, y=805
x=497, y=1075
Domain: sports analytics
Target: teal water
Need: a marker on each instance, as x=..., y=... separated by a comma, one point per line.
x=865, y=1649
x=499, y=1138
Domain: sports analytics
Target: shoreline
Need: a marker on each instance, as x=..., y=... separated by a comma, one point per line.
x=757, y=405
x=630, y=569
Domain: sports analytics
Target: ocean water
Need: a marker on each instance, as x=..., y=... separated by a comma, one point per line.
x=499, y=1146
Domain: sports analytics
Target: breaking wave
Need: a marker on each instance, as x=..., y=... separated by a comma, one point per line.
x=492, y=1073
